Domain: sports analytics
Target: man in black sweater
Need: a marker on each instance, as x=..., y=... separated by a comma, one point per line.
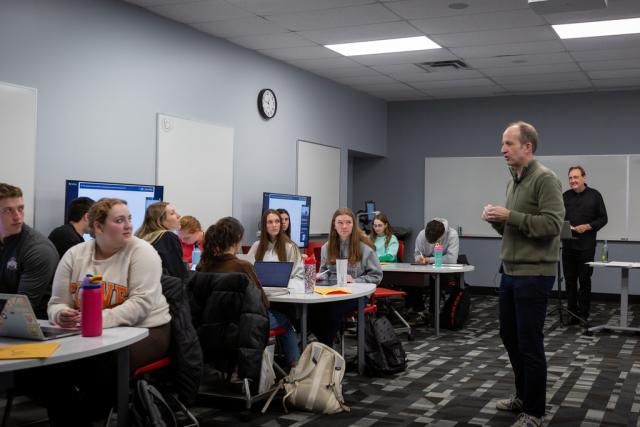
x=586, y=212
x=70, y=234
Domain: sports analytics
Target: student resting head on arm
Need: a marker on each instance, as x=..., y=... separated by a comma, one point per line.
x=190, y=235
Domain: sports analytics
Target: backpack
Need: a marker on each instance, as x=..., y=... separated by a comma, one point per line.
x=149, y=408
x=383, y=352
x=456, y=309
x=315, y=384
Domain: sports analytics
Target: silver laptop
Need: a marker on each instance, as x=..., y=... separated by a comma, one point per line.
x=17, y=320
x=274, y=276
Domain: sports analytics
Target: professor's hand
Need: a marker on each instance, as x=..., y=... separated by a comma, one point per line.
x=497, y=214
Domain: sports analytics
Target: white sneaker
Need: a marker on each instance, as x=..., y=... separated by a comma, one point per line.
x=526, y=420
x=512, y=403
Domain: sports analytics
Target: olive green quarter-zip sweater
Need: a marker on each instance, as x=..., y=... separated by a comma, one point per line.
x=531, y=235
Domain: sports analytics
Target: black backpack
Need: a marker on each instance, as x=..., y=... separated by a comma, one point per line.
x=383, y=352
x=456, y=309
x=149, y=407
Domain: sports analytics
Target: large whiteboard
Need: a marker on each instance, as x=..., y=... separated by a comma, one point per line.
x=18, y=142
x=195, y=166
x=319, y=177
x=457, y=188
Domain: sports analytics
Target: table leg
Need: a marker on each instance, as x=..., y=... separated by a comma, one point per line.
x=361, y=327
x=303, y=322
x=624, y=297
x=123, y=387
x=436, y=309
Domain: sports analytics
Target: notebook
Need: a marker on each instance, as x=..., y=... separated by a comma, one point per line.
x=274, y=276
x=17, y=320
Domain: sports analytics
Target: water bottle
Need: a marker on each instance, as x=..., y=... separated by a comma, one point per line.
x=309, y=275
x=437, y=254
x=605, y=253
x=91, y=306
x=195, y=256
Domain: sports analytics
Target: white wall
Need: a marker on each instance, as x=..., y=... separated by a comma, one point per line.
x=103, y=69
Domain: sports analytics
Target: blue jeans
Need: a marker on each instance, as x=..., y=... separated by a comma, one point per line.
x=522, y=310
x=289, y=340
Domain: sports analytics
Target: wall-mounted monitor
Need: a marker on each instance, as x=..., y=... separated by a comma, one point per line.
x=138, y=196
x=299, y=208
x=371, y=210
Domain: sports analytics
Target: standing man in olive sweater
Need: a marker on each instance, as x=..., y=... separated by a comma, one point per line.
x=587, y=214
x=530, y=224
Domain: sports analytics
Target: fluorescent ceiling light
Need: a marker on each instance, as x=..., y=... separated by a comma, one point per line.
x=598, y=28
x=383, y=46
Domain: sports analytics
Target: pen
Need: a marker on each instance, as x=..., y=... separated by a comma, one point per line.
x=322, y=273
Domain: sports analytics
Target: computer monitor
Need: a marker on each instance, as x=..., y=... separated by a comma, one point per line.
x=138, y=196
x=371, y=208
x=299, y=208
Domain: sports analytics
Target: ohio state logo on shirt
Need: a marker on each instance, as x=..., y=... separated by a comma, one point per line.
x=12, y=264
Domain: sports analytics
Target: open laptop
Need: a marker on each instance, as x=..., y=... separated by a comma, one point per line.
x=274, y=276
x=17, y=320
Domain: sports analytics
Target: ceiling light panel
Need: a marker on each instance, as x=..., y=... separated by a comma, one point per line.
x=613, y=27
x=407, y=44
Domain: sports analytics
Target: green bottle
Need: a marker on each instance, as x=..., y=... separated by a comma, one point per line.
x=605, y=253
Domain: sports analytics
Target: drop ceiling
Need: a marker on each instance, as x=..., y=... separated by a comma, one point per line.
x=507, y=47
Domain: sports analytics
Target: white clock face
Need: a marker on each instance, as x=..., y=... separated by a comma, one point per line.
x=268, y=103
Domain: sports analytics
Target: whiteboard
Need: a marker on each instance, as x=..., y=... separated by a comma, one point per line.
x=195, y=166
x=18, y=142
x=457, y=188
x=634, y=197
x=319, y=177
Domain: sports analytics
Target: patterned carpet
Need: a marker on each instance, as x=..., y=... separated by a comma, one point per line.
x=455, y=379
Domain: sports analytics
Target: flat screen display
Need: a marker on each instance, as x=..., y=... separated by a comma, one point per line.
x=138, y=196
x=299, y=208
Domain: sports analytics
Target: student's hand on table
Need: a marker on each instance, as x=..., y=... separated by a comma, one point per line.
x=349, y=278
x=69, y=318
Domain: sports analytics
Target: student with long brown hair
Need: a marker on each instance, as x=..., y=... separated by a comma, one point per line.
x=221, y=242
x=158, y=228
x=345, y=241
x=275, y=245
x=382, y=236
x=285, y=221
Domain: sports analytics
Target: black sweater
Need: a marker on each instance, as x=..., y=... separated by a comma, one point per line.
x=586, y=207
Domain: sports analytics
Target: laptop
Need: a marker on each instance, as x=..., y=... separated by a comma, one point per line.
x=17, y=320
x=274, y=276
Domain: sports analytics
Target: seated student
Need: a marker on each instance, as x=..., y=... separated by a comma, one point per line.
x=221, y=242
x=28, y=259
x=190, y=235
x=382, y=236
x=160, y=222
x=85, y=389
x=436, y=230
x=274, y=245
x=285, y=221
x=345, y=241
x=70, y=234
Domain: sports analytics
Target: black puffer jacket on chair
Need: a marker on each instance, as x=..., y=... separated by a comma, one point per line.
x=231, y=320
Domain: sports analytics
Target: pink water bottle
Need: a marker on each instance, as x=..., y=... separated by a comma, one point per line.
x=91, y=306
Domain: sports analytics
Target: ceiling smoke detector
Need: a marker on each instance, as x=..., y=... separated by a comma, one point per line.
x=434, y=66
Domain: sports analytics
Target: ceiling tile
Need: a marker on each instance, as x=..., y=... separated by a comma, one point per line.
x=272, y=41
x=611, y=65
x=518, y=60
x=494, y=37
x=606, y=54
x=616, y=9
x=614, y=74
x=438, y=75
x=632, y=82
x=310, y=52
x=336, y=73
x=453, y=83
x=200, y=11
x=400, y=96
x=334, y=18
x=530, y=69
x=398, y=69
x=541, y=78
x=508, y=49
x=147, y=3
x=385, y=87
x=465, y=92
x=271, y=7
x=323, y=64
x=386, y=30
x=405, y=57
x=412, y=9
x=609, y=42
x=480, y=22
x=548, y=86
x=368, y=80
x=251, y=26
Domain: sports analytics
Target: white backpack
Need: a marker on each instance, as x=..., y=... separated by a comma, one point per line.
x=315, y=384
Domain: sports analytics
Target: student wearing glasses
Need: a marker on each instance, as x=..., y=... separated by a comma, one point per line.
x=382, y=236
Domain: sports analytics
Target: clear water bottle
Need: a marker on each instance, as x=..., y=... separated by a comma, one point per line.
x=605, y=252
x=91, y=306
x=437, y=254
x=195, y=257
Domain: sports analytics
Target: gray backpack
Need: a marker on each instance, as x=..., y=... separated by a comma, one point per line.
x=315, y=384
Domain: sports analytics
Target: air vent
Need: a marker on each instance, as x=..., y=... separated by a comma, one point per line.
x=435, y=66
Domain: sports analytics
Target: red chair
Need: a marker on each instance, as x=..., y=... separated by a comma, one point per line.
x=400, y=255
x=273, y=335
x=245, y=249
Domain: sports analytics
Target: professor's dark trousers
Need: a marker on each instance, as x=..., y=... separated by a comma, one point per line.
x=576, y=270
x=522, y=310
